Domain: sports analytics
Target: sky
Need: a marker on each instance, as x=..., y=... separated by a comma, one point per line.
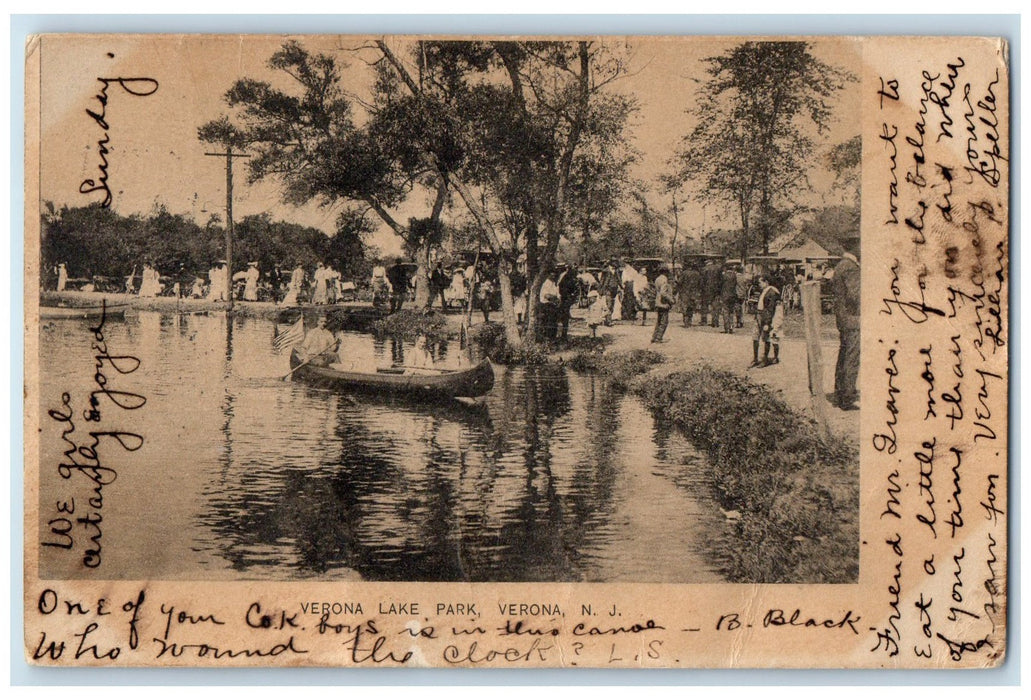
x=154, y=157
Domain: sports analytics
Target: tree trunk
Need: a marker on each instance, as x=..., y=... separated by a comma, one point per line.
x=556, y=220
x=422, y=286
x=508, y=316
x=533, y=296
x=765, y=221
x=471, y=282
x=744, y=234
x=422, y=274
x=511, y=327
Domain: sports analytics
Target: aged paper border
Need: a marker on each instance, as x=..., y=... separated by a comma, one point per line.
x=1015, y=219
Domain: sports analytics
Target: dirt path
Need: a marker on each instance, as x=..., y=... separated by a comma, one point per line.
x=689, y=347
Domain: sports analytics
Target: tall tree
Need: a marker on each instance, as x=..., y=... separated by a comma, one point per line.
x=845, y=160
x=504, y=124
x=757, y=118
x=310, y=139
x=530, y=115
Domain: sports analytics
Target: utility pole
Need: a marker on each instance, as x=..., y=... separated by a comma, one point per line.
x=676, y=233
x=229, y=155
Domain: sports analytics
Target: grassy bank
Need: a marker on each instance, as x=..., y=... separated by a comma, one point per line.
x=791, y=499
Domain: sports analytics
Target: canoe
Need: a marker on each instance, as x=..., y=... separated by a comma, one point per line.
x=50, y=313
x=429, y=383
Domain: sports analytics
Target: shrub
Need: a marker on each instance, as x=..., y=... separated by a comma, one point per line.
x=409, y=325
x=490, y=338
x=618, y=368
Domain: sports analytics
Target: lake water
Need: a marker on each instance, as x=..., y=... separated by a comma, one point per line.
x=242, y=475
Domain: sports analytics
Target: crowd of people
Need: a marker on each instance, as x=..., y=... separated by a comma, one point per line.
x=708, y=291
x=324, y=285
x=723, y=294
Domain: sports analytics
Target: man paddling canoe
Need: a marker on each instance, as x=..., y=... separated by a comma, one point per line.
x=319, y=345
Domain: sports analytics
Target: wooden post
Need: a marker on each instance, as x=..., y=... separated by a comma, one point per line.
x=229, y=155
x=814, y=352
x=229, y=227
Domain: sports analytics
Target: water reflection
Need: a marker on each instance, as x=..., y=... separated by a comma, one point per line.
x=554, y=478
x=227, y=401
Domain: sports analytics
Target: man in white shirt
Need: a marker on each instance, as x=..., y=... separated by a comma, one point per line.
x=319, y=345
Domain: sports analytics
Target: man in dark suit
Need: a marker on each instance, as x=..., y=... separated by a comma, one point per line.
x=663, y=302
x=689, y=291
x=398, y=276
x=609, y=287
x=712, y=282
x=438, y=283
x=728, y=297
x=846, y=288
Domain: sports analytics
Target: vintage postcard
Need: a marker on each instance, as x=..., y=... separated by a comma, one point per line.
x=622, y=352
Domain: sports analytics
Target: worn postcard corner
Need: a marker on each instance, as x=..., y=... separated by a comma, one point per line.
x=622, y=352
x=31, y=46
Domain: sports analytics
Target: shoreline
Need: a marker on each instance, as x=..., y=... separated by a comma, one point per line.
x=790, y=498
x=684, y=348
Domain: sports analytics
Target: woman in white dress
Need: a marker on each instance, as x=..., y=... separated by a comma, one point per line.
x=296, y=282
x=321, y=278
x=251, y=277
x=216, y=284
x=332, y=285
x=150, y=286
x=456, y=291
x=596, y=311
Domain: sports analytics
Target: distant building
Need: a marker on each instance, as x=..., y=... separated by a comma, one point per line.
x=807, y=249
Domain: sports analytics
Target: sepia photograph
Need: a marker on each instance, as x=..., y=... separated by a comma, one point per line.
x=462, y=311
x=542, y=351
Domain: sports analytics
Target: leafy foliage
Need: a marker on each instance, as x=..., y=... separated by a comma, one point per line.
x=845, y=160
x=639, y=234
x=831, y=226
x=409, y=325
x=520, y=130
x=544, y=146
x=94, y=241
x=308, y=137
x=758, y=115
x=619, y=368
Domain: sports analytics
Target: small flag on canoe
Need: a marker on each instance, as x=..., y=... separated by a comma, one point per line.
x=290, y=337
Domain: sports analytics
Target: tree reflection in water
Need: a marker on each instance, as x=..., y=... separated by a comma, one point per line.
x=522, y=489
x=435, y=493
x=556, y=478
